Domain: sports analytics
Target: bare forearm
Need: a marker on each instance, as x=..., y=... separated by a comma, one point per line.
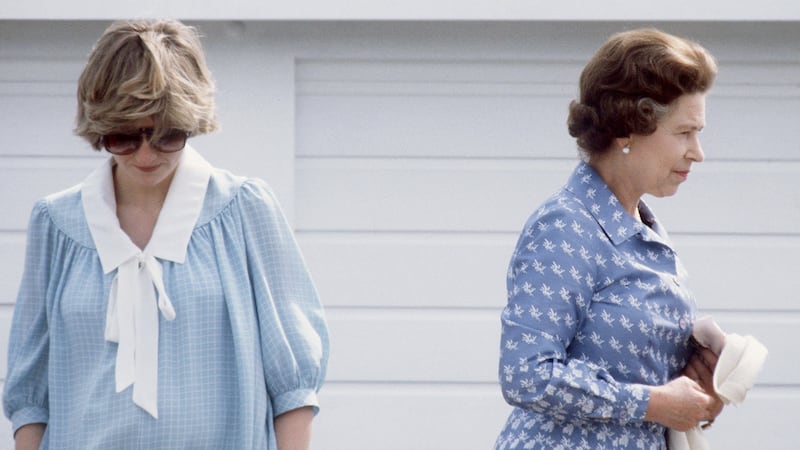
x=28, y=437
x=293, y=429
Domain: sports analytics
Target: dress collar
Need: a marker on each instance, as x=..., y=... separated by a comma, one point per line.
x=176, y=221
x=606, y=209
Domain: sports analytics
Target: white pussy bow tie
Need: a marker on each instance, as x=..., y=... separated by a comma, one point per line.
x=137, y=291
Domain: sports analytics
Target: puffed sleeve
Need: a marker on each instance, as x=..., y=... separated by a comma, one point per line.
x=550, y=286
x=294, y=335
x=25, y=392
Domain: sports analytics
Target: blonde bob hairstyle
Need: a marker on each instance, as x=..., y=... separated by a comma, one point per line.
x=631, y=83
x=145, y=69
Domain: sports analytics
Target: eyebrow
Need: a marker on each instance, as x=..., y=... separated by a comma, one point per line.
x=690, y=126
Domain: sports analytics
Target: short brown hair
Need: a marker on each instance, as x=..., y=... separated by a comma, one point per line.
x=141, y=69
x=631, y=82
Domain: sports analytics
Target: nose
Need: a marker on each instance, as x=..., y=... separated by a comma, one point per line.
x=695, y=151
x=145, y=152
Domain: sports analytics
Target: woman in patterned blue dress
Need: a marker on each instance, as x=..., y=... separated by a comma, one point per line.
x=164, y=303
x=595, y=349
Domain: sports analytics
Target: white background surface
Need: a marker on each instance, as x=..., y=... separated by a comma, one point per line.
x=408, y=155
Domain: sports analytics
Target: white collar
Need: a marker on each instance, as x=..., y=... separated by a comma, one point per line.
x=132, y=314
x=176, y=221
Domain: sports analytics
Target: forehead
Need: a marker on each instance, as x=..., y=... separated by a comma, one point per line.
x=146, y=122
x=135, y=125
x=687, y=110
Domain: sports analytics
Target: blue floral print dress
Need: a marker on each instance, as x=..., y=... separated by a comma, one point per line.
x=598, y=310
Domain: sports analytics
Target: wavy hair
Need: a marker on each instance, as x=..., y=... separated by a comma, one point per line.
x=141, y=69
x=631, y=83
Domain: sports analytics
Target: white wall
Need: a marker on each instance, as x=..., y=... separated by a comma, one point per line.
x=408, y=155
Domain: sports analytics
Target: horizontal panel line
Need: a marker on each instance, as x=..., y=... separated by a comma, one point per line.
x=778, y=387
x=339, y=308
x=30, y=83
x=411, y=233
x=310, y=83
x=380, y=61
x=13, y=233
x=401, y=78
x=335, y=82
x=341, y=84
x=91, y=155
x=308, y=231
x=411, y=383
x=767, y=389
x=764, y=388
x=304, y=63
x=321, y=158
x=730, y=234
x=456, y=234
x=405, y=232
x=472, y=69
x=32, y=94
x=391, y=88
x=406, y=94
x=18, y=159
x=459, y=235
x=455, y=92
x=756, y=315
x=312, y=157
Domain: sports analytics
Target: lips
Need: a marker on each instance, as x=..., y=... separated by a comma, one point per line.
x=147, y=169
x=682, y=173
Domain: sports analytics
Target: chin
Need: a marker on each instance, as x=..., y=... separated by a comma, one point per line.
x=670, y=193
x=665, y=193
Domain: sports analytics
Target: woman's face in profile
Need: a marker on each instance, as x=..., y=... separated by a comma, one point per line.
x=664, y=159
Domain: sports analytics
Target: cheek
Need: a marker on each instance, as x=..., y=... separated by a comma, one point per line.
x=172, y=160
x=668, y=153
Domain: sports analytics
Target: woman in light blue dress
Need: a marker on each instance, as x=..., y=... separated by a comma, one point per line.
x=595, y=350
x=164, y=303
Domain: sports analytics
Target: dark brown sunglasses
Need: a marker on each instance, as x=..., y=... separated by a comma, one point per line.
x=127, y=143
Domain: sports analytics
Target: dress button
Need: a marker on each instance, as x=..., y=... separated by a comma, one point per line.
x=682, y=323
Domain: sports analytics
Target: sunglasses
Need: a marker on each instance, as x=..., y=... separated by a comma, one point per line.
x=127, y=143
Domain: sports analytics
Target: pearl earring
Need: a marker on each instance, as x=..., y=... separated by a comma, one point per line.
x=626, y=149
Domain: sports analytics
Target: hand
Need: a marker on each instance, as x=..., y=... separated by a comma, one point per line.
x=680, y=404
x=701, y=368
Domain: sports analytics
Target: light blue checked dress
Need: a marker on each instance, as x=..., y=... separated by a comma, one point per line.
x=248, y=341
x=598, y=310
